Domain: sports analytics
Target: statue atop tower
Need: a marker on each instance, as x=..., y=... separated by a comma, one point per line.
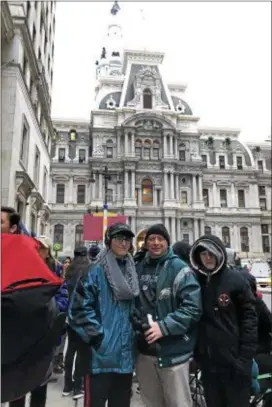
x=112, y=52
x=115, y=8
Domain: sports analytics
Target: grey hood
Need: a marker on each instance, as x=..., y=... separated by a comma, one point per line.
x=214, y=245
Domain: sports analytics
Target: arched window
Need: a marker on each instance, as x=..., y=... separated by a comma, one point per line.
x=156, y=149
x=147, y=145
x=244, y=239
x=182, y=152
x=58, y=234
x=79, y=236
x=147, y=192
x=207, y=230
x=226, y=236
x=147, y=94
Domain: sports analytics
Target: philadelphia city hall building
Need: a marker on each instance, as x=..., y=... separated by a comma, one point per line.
x=163, y=167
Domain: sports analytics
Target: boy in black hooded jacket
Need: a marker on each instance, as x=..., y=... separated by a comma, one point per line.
x=228, y=328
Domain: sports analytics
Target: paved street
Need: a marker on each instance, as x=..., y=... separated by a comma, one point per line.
x=55, y=398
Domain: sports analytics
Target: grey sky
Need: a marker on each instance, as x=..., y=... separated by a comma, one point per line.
x=222, y=51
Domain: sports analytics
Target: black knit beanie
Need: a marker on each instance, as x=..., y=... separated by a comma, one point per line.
x=182, y=250
x=158, y=229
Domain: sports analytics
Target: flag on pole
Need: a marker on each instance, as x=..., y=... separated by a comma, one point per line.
x=115, y=8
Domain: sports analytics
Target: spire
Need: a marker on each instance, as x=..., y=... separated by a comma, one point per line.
x=115, y=8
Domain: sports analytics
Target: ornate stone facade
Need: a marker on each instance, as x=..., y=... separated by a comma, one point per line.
x=164, y=167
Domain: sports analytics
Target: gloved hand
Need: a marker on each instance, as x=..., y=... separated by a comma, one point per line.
x=139, y=321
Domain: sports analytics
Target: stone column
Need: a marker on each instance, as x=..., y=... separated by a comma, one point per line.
x=140, y=196
x=118, y=153
x=202, y=227
x=165, y=186
x=100, y=194
x=165, y=146
x=126, y=184
x=166, y=223
x=133, y=144
x=133, y=184
x=200, y=188
x=70, y=199
x=133, y=224
x=215, y=204
x=177, y=153
x=118, y=193
x=254, y=196
x=177, y=188
x=173, y=231
x=178, y=229
x=171, y=146
x=233, y=195
x=194, y=189
x=196, y=232
x=126, y=144
x=172, y=191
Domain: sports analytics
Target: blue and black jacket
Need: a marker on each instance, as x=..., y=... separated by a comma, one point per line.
x=103, y=323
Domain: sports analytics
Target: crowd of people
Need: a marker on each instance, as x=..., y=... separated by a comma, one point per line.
x=161, y=312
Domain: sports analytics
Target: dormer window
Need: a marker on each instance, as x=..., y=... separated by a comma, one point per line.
x=61, y=155
x=147, y=95
x=222, y=164
x=260, y=165
x=239, y=161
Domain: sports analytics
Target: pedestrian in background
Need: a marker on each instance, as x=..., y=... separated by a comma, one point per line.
x=73, y=382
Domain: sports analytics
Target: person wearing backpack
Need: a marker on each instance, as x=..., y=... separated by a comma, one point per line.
x=31, y=322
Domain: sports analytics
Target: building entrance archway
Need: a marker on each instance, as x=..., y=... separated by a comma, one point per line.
x=140, y=238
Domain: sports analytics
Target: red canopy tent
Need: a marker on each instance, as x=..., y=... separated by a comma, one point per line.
x=93, y=226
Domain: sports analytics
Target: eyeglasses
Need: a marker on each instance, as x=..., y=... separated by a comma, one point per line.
x=122, y=239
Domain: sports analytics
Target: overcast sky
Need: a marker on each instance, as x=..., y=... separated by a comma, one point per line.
x=221, y=50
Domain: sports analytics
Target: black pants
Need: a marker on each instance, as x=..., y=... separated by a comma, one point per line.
x=226, y=390
x=112, y=387
x=37, y=398
x=69, y=361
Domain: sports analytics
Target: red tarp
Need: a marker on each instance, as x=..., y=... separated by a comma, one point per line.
x=93, y=226
x=21, y=262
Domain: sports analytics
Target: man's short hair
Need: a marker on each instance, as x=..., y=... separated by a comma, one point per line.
x=13, y=216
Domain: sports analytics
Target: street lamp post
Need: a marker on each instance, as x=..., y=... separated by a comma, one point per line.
x=107, y=177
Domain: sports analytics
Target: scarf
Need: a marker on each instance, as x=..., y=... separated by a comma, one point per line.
x=123, y=281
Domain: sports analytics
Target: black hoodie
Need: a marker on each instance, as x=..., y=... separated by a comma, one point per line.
x=228, y=328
